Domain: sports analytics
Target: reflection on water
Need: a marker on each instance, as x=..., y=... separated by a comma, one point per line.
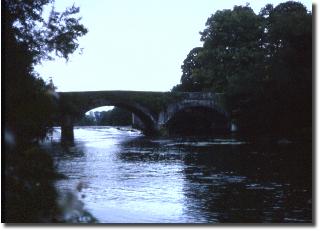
x=126, y=177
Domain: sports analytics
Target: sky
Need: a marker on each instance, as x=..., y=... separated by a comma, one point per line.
x=135, y=44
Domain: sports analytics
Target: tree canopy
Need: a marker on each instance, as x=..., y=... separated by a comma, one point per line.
x=44, y=37
x=262, y=62
x=29, y=37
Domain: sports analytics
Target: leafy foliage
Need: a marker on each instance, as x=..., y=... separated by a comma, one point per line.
x=29, y=101
x=261, y=62
x=42, y=37
x=30, y=104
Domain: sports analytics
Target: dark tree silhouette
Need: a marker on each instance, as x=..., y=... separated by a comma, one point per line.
x=263, y=64
x=30, y=104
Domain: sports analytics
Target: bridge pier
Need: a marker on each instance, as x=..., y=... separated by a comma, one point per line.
x=136, y=122
x=67, y=135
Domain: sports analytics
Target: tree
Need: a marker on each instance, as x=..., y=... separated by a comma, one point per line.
x=262, y=63
x=231, y=48
x=30, y=105
x=289, y=65
x=189, y=67
x=58, y=34
x=28, y=39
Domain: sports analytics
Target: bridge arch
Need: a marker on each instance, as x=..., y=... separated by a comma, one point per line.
x=146, y=117
x=174, y=108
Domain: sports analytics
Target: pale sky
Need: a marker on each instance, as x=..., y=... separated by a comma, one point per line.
x=135, y=44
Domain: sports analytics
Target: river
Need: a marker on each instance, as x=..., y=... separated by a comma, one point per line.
x=122, y=176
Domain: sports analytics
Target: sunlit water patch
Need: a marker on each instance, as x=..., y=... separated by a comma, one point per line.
x=122, y=176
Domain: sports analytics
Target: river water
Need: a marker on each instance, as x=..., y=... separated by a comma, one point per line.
x=122, y=176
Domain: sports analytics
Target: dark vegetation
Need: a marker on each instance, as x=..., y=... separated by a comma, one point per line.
x=262, y=63
x=30, y=104
x=115, y=117
x=201, y=121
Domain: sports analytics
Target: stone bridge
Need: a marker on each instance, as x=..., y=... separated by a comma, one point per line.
x=154, y=109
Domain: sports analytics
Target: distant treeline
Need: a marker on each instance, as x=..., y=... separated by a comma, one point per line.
x=115, y=117
x=263, y=64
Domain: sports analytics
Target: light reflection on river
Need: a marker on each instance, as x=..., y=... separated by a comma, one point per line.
x=129, y=178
